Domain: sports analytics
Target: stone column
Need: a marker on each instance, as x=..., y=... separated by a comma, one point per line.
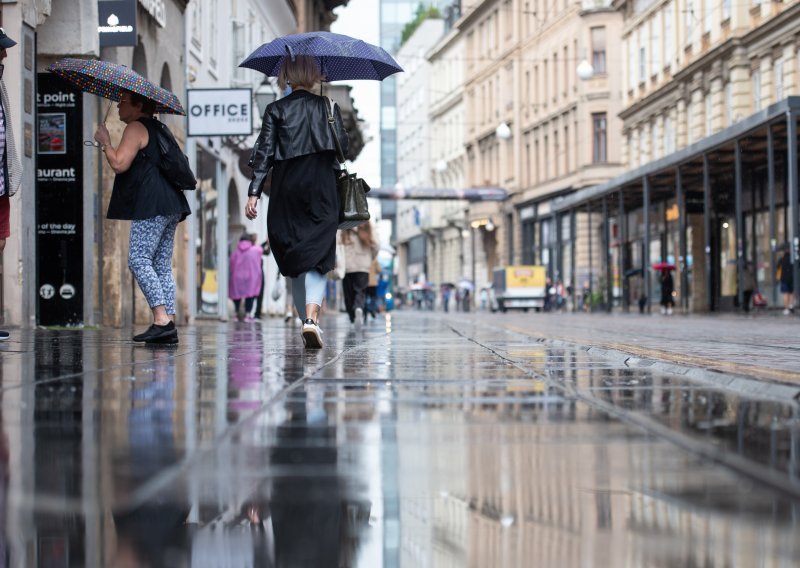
x=739, y=76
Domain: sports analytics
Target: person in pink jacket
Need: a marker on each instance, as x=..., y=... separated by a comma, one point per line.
x=245, y=276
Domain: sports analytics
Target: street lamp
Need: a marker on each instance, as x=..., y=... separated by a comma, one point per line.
x=503, y=131
x=489, y=226
x=440, y=166
x=585, y=70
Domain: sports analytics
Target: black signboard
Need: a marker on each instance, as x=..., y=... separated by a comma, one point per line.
x=117, y=25
x=59, y=202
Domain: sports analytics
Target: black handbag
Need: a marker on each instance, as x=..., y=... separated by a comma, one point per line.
x=352, y=190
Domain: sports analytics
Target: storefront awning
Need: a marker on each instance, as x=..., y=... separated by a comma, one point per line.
x=741, y=129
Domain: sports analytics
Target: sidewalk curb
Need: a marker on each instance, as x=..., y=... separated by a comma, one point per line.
x=743, y=384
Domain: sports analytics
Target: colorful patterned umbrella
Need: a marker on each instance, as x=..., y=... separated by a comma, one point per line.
x=340, y=57
x=109, y=79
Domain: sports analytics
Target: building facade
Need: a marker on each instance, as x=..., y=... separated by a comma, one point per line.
x=414, y=166
x=709, y=126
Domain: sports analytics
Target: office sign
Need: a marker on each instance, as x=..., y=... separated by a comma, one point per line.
x=117, y=25
x=220, y=112
x=59, y=202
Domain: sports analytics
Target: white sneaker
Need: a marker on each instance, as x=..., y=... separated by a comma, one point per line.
x=312, y=335
x=359, y=321
x=786, y=311
x=669, y=311
x=663, y=310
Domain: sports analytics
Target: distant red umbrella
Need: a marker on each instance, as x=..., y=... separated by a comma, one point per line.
x=663, y=266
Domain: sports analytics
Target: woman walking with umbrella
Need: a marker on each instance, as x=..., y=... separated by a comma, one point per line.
x=154, y=207
x=303, y=214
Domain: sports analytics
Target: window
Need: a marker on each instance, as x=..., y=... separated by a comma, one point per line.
x=599, y=49
x=756, y=78
x=655, y=136
x=708, y=11
x=212, y=34
x=728, y=103
x=726, y=9
x=642, y=57
x=642, y=64
x=641, y=154
x=239, y=47
x=655, y=49
x=557, y=153
x=599, y=148
x=555, y=76
x=197, y=26
x=669, y=136
x=631, y=63
x=689, y=21
x=669, y=56
x=778, y=75
x=689, y=123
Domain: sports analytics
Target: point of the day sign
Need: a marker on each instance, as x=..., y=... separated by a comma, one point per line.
x=220, y=112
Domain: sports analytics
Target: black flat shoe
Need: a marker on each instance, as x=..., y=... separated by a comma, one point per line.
x=155, y=332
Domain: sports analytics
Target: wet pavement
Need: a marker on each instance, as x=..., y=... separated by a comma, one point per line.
x=422, y=440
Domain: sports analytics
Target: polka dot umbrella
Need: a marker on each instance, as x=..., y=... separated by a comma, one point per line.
x=340, y=57
x=108, y=80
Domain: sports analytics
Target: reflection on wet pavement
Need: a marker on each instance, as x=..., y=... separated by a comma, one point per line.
x=417, y=442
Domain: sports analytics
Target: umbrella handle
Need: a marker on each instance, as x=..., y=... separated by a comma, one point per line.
x=105, y=116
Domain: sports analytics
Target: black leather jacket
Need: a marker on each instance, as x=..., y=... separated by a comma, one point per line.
x=293, y=126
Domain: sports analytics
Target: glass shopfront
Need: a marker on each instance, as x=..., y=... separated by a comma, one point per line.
x=206, y=259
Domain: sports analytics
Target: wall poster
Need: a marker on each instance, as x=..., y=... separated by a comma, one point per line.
x=59, y=202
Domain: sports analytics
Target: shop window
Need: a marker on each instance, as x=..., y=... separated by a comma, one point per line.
x=599, y=138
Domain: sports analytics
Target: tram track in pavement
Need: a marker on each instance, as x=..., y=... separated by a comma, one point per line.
x=748, y=468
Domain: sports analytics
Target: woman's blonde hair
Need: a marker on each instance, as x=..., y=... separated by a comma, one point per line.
x=303, y=72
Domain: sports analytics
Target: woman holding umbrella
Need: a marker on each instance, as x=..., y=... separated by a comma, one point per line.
x=667, y=289
x=143, y=196
x=303, y=215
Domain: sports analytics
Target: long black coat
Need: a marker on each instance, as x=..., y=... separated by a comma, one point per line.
x=303, y=216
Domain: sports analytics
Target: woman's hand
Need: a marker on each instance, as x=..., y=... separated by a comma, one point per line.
x=250, y=209
x=102, y=136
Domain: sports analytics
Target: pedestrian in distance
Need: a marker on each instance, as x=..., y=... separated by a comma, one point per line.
x=360, y=248
x=246, y=276
x=297, y=144
x=785, y=277
x=260, y=299
x=748, y=284
x=372, y=288
x=446, y=298
x=11, y=174
x=667, y=289
x=142, y=195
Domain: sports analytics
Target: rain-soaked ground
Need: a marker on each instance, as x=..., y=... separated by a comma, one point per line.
x=421, y=441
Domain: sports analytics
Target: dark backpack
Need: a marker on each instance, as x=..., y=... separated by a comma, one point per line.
x=174, y=164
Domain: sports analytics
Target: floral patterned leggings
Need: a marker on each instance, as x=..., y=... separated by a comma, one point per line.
x=150, y=259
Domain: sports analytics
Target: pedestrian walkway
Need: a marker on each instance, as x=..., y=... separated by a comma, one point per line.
x=420, y=440
x=764, y=346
